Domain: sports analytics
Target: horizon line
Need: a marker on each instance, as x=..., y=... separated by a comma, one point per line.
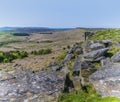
x=57, y=27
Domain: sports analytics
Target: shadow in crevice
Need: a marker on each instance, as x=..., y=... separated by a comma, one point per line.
x=68, y=84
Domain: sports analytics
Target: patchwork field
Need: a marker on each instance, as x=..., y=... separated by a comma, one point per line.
x=57, y=41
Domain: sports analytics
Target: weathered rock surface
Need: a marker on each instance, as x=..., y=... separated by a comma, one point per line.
x=22, y=85
x=73, y=48
x=107, y=42
x=118, y=44
x=86, y=64
x=68, y=58
x=96, y=55
x=106, y=62
x=107, y=81
x=53, y=66
x=46, y=85
x=96, y=46
x=116, y=57
x=77, y=66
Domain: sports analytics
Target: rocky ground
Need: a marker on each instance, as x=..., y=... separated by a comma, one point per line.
x=28, y=86
x=28, y=80
x=88, y=62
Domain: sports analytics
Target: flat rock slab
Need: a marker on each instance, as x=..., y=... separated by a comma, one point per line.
x=17, y=85
x=77, y=65
x=96, y=46
x=68, y=58
x=96, y=55
x=107, y=81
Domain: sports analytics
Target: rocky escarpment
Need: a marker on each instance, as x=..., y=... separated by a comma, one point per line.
x=106, y=79
x=75, y=71
x=42, y=86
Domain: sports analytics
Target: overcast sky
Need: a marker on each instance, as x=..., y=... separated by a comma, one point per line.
x=60, y=13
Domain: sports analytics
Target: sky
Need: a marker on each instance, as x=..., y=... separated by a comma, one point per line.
x=60, y=13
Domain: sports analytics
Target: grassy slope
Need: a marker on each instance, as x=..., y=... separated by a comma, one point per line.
x=112, y=34
x=82, y=97
x=86, y=95
x=56, y=41
x=7, y=37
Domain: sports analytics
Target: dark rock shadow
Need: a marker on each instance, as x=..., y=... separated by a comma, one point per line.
x=68, y=84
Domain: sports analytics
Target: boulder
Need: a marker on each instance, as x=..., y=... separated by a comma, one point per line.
x=107, y=81
x=107, y=42
x=73, y=48
x=77, y=67
x=96, y=55
x=118, y=44
x=116, y=57
x=96, y=46
x=22, y=85
x=106, y=62
x=56, y=68
x=95, y=41
x=86, y=64
x=68, y=58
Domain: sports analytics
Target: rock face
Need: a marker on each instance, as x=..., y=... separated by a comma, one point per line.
x=77, y=67
x=86, y=64
x=42, y=86
x=96, y=55
x=106, y=62
x=96, y=46
x=116, y=57
x=68, y=58
x=24, y=85
x=107, y=81
x=73, y=48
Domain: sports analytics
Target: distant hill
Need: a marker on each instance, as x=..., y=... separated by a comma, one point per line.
x=32, y=29
x=44, y=30
x=7, y=28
